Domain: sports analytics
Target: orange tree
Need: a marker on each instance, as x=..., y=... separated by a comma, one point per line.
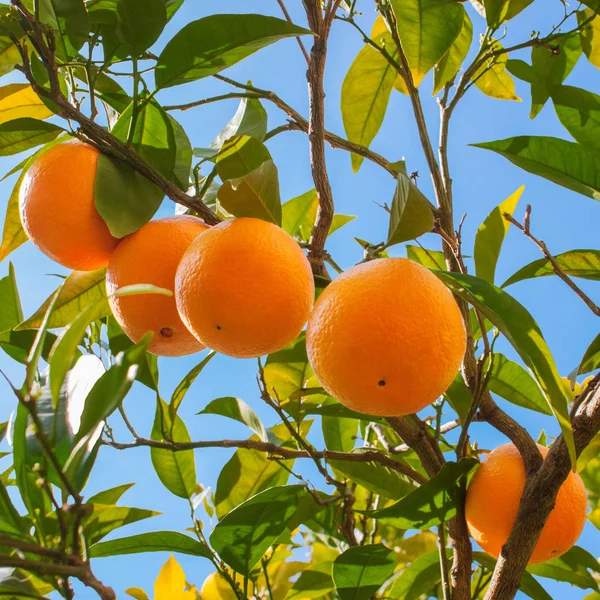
x=387, y=508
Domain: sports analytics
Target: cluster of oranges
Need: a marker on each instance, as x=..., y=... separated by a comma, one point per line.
x=384, y=338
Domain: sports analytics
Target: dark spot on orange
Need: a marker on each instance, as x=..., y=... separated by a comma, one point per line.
x=219, y=327
x=166, y=332
x=381, y=382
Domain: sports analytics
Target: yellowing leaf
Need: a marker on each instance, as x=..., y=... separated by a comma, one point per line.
x=137, y=593
x=13, y=234
x=170, y=582
x=365, y=95
x=18, y=100
x=493, y=78
x=590, y=36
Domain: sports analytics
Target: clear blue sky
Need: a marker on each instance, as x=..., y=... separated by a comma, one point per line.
x=482, y=179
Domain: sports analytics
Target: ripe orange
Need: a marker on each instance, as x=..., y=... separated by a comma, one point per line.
x=245, y=288
x=151, y=255
x=56, y=201
x=386, y=337
x=493, y=502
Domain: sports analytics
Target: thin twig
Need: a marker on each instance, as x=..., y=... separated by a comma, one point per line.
x=286, y=14
x=525, y=228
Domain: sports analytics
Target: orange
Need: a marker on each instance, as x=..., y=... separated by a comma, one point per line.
x=386, y=337
x=245, y=288
x=493, y=500
x=57, y=207
x=151, y=255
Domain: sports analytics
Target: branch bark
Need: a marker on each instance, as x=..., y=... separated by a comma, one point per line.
x=320, y=24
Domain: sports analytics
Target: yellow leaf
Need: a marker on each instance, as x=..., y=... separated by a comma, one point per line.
x=18, y=100
x=494, y=80
x=170, y=582
x=136, y=593
x=13, y=234
x=590, y=36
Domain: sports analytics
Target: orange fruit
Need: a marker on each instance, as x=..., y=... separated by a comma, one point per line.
x=245, y=288
x=58, y=213
x=151, y=255
x=386, y=337
x=493, y=500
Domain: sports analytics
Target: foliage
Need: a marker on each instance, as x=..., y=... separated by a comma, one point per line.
x=374, y=514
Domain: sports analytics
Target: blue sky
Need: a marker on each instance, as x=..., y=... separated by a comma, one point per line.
x=482, y=179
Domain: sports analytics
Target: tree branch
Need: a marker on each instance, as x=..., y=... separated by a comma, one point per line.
x=89, y=130
x=525, y=228
x=321, y=25
x=286, y=14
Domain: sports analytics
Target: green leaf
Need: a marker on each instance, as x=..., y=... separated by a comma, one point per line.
x=499, y=11
x=157, y=541
x=184, y=385
x=579, y=111
x=111, y=496
x=418, y=578
x=10, y=521
x=493, y=79
x=140, y=23
x=339, y=221
x=176, y=470
x=519, y=327
x=106, y=518
x=13, y=234
x=125, y=199
x=287, y=371
x=564, y=163
x=105, y=87
x=299, y=214
x=250, y=119
x=590, y=35
x=339, y=434
x=360, y=571
x=427, y=30
x=410, y=214
x=572, y=567
x=315, y=582
x=239, y=156
x=238, y=410
x=254, y=195
x=529, y=585
x=375, y=477
x=64, y=351
x=550, y=66
x=490, y=236
x=69, y=18
x=591, y=358
x=243, y=536
x=119, y=342
x=80, y=290
x=432, y=259
x=431, y=503
x=182, y=167
x=576, y=263
x=447, y=68
x=511, y=381
x=366, y=92
x=10, y=303
x=212, y=44
x=23, y=134
x=249, y=472
x=110, y=390
x=153, y=137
